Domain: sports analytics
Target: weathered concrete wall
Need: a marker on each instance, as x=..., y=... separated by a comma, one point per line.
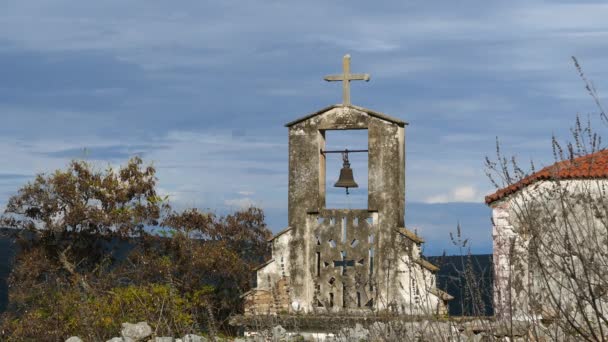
x=341, y=237
x=349, y=260
x=386, y=192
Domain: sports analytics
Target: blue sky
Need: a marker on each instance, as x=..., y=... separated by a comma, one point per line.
x=202, y=89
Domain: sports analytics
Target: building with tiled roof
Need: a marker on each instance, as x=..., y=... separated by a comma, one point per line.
x=591, y=166
x=544, y=201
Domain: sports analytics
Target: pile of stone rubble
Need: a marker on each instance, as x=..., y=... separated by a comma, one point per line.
x=141, y=332
x=473, y=331
x=419, y=331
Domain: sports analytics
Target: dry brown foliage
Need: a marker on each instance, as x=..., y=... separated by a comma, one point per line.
x=88, y=261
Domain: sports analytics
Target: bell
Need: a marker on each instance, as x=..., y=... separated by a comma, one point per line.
x=346, y=179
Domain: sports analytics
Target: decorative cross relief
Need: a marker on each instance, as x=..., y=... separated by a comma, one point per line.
x=346, y=77
x=344, y=263
x=342, y=258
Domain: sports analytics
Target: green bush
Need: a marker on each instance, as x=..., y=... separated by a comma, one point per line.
x=99, y=316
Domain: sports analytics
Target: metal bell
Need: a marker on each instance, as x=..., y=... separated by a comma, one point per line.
x=346, y=179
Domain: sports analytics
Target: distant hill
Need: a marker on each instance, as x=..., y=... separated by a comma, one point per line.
x=7, y=252
x=451, y=278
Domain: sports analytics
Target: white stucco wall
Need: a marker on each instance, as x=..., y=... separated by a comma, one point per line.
x=415, y=290
x=277, y=268
x=415, y=281
x=545, y=210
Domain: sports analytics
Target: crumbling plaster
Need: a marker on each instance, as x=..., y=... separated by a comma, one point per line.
x=386, y=190
x=541, y=210
x=349, y=260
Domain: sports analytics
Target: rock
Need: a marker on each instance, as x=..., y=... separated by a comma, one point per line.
x=378, y=330
x=356, y=334
x=257, y=338
x=475, y=327
x=74, y=339
x=297, y=338
x=278, y=333
x=136, y=332
x=194, y=338
x=116, y=339
x=163, y=339
x=438, y=331
x=516, y=328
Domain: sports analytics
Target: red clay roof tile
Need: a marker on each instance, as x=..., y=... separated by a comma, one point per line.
x=594, y=165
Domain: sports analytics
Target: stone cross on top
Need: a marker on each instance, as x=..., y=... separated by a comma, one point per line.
x=346, y=77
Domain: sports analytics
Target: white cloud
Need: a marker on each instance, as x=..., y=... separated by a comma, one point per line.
x=437, y=199
x=464, y=193
x=241, y=203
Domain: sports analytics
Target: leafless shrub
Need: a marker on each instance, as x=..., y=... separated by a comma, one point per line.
x=558, y=253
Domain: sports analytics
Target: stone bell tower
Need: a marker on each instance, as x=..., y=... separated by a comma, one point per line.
x=346, y=261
